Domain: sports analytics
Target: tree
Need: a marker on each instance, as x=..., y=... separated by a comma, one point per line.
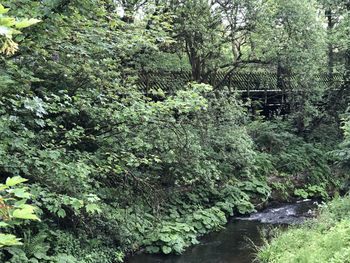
x=337, y=93
x=199, y=33
x=8, y=28
x=294, y=43
x=214, y=35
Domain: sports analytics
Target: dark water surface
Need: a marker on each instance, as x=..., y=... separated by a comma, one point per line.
x=233, y=243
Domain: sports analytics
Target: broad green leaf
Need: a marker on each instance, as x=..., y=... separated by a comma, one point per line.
x=25, y=213
x=7, y=21
x=165, y=238
x=20, y=203
x=15, y=180
x=26, y=23
x=3, y=10
x=166, y=249
x=178, y=248
x=92, y=208
x=77, y=204
x=61, y=213
x=9, y=240
x=21, y=193
x=19, y=38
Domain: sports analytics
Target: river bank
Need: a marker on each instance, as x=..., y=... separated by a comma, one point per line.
x=324, y=239
x=233, y=244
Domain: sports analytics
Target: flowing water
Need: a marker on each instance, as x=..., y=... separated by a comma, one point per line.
x=233, y=243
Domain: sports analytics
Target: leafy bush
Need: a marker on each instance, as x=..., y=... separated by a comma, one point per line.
x=60, y=247
x=175, y=236
x=13, y=208
x=303, y=166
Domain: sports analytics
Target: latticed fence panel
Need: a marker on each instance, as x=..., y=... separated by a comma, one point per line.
x=244, y=82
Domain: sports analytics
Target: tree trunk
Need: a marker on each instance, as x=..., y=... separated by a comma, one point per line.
x=330, y=26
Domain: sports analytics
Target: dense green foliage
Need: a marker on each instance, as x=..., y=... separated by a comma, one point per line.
x=299, y=167
x=113, y=168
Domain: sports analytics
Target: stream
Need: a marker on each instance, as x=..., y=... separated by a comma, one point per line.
x=233, y=243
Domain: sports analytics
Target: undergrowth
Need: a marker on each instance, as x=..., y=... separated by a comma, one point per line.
x=296, y=166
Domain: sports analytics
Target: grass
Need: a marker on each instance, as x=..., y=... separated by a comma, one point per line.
x=325, y=239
